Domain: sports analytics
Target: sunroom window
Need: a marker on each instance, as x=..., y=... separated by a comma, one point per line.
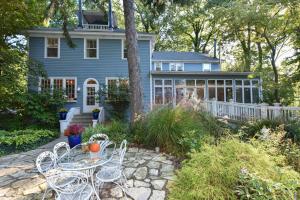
x=52, y=48
x=163, y=91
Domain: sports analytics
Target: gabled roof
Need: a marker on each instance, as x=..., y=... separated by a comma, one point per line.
x=183, y=56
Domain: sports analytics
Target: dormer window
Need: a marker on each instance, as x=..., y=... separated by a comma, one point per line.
x=91, y=49
x=206, y=67
x=124, y=49
x=176, y=67
x=157, y=66
x=52, y=47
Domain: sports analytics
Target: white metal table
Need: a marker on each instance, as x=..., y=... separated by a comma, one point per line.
x=86, y=162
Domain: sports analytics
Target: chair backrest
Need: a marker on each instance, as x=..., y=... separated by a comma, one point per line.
x=122, y=151
x=76, y=182
x=45, y=162
x=58, y=147
x=98, y=137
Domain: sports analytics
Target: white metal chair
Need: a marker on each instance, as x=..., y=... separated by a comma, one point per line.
x=58, y=147
x=113, y=173
x=46, y=165
x=78, y=188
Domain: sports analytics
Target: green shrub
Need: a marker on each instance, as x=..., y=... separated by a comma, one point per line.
x=175, y=131
x=22, y=140
x=213, y=173
x=116, y=131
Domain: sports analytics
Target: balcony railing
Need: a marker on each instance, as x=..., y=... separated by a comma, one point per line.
x=95, y=27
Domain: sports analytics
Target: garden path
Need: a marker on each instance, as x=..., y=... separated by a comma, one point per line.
x=148, y=175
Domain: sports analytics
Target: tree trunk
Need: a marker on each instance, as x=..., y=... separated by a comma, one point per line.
x=136, y=96
x=260, y=56
x=273, y=63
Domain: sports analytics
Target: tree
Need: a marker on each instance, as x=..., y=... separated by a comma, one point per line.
x=136, y=97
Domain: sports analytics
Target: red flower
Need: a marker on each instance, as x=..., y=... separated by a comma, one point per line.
x=74, y=129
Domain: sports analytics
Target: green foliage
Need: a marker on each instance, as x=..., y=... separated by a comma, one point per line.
x=63, y=110
x=176, y=131
x=22, y=140
x=116, y=131
x=252, y=187
x=213, y=172
x=41, y=108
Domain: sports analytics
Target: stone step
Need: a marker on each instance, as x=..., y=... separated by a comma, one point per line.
x=82, y=124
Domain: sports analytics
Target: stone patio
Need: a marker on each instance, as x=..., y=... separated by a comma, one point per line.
x=148, y=174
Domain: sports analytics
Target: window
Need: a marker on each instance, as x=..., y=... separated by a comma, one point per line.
x=124, y=49
x=206, y=67
x=211, y=89
x=247, y=91
x=176, y=67
x=117, y=88
x=228, y=90
x=157, y=66
x=52, y=47
x=60, y=84
x=220, y=90
x=179, y=92
x=163, y=91
x=200, y=89
x=91, y=48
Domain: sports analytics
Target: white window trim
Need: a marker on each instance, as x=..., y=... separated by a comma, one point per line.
x=160, y=65
x=97, y=48
x=46, y=48
x=209, y=64
x=64, y=85
x=176, y=67
x=122, y=49
x=163, y=89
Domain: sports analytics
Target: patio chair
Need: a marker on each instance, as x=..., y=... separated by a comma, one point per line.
x=78, y=188
x=113, y=173
x=46, y=165
x=58, y=148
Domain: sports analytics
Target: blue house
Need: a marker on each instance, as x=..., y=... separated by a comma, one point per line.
x=100, y=58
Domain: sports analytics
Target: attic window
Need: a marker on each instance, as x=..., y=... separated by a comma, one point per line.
x=52, y=47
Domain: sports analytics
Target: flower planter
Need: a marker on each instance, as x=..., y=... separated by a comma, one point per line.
x=95, y=115
x=74, y=140
x=63, y=115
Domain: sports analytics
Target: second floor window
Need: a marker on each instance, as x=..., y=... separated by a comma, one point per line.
x=124, y=49
x=206, y=67
x=157, y=66
x=91, y=48
x=52, y=48
x=176, y=67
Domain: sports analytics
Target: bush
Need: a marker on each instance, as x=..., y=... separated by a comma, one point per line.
x=116, y=131
x=213, y=173
x=23, y=140
x=253, y=129
x=175, y=131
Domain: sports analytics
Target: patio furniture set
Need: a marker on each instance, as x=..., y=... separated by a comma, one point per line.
x=77, y=173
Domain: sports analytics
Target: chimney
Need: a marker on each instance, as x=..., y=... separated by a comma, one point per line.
x=79, y=13
x=110, y=15
x=215, y=47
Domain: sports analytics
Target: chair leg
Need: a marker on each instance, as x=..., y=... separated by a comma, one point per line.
x=124, y=180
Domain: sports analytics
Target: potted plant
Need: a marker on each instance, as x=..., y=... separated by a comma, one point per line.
x=73, y=132
x=96, y=113
x=63, y=114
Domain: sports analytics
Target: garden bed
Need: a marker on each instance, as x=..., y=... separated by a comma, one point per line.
x=24, y=140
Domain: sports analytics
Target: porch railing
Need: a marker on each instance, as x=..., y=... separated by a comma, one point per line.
x=101, y=117
x=95, y=27
x=250, y=112
x=65, y=123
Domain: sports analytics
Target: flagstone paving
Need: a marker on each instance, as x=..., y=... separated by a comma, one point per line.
x=148, y=174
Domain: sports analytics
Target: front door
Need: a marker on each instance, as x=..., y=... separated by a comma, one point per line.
x=90, y=90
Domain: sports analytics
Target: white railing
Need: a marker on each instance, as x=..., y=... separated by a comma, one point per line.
x=95, y=27
x=65, y=123
x=101, y=117
x=250, y=112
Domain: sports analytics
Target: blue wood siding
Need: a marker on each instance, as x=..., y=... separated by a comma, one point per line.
x=110, y=63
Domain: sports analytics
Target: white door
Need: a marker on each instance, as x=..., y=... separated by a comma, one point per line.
x=90, y=90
